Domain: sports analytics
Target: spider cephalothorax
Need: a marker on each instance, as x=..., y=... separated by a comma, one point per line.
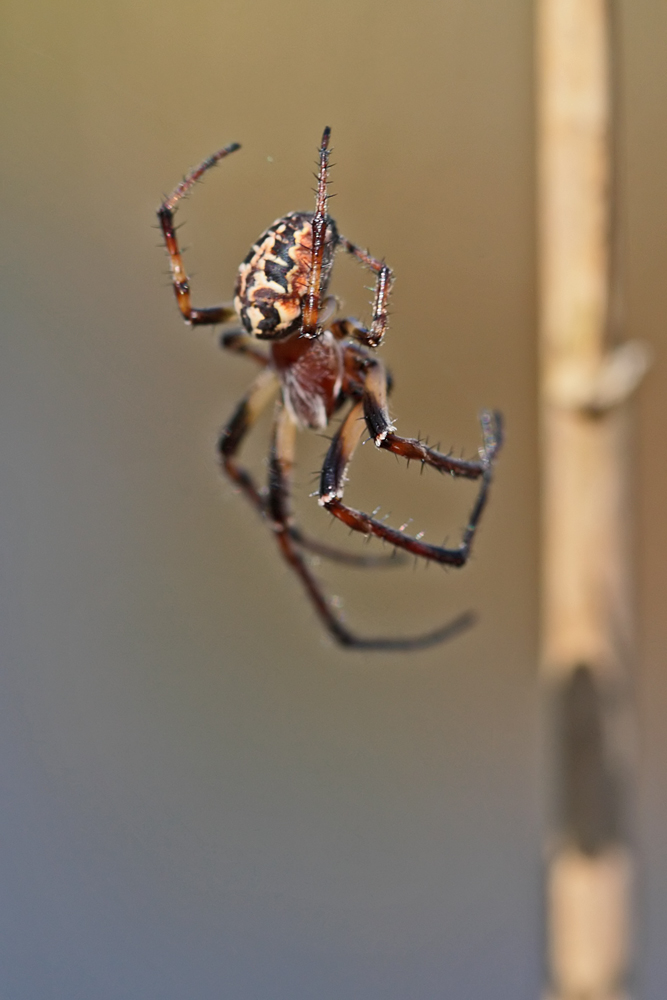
x=319, y=365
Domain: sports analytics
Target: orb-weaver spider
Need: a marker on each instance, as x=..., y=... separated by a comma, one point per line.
x=319, y=364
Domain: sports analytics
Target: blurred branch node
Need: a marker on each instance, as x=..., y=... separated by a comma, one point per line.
x=594, y=390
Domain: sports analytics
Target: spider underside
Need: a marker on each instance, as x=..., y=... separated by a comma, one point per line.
x=319, y=365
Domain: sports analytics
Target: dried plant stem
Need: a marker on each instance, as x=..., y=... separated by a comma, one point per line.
x=586, y=380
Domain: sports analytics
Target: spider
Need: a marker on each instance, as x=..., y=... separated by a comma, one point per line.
x=320, y=365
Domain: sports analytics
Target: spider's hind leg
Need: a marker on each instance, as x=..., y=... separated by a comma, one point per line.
x=334, y=554
x=280, y=465
x=384, y=433
x=376, y=418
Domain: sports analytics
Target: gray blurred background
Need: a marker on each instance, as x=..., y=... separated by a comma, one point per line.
x=202, y=796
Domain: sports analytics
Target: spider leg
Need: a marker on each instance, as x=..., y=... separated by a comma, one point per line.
x=383, y=284
x=236, y=428
x=383, y=433
x=239, y=342
x=311, y=308
x=334, y=554
x=231, y=438
x=181, y=282
x=350, y=328
x=281, y=461
x=332, y=488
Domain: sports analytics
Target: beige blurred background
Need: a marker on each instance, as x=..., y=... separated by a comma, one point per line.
x=202, y=796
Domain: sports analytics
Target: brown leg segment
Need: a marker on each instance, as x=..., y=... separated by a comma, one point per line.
x=383, y=433
x=280, y=465
x=246, y=413
x=311, y=309
x=332, y=488
x=181, y=282
x=383, y=285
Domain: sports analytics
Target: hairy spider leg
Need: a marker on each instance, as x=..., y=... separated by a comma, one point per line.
x=384, y=435
x=240, y=423
x=311, y=309
x=281, y=462
x=181, y=282
x=333, y=480
x=383, y=286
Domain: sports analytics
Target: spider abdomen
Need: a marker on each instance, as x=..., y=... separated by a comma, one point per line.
x=273, y=279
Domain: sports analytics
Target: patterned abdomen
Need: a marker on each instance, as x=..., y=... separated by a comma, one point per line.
x=273, y=279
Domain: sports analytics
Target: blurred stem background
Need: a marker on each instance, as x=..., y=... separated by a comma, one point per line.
x=588, y=375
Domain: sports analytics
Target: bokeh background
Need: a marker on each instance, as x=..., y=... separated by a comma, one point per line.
x=201, y=796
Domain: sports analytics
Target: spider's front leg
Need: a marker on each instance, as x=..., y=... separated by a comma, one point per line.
x=384, y=280
x=311, y=324
x=372, y=413
x=181, y=282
